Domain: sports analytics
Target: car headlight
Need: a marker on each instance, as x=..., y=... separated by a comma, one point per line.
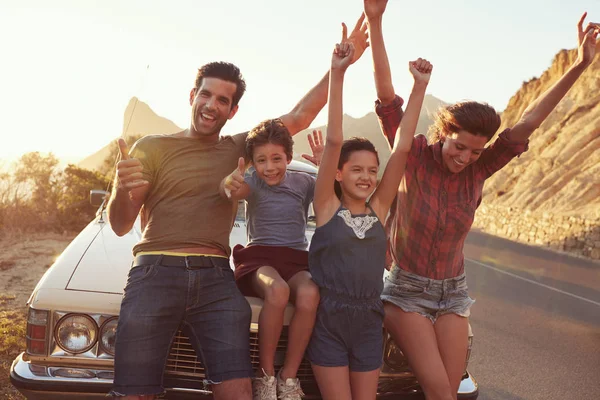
x=76, y=333
x=108, y=334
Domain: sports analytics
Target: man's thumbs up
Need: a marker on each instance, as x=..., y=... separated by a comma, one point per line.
x=123, y=149
x=129, y=170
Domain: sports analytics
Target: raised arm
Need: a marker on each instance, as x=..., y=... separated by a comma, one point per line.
x=128, y=194
x=304, y=113
x=325, y=201
x=374, y=10
x=394, y=170
x=538, y=111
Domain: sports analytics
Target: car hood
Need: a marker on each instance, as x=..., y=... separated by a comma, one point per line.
x=105, y=263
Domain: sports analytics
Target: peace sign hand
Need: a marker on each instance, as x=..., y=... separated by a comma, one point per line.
x=359, y=37
x=129, y=170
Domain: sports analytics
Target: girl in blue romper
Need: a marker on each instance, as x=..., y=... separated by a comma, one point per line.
x=347, y=251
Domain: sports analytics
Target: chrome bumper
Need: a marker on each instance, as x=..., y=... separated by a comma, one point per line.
x=37, y=382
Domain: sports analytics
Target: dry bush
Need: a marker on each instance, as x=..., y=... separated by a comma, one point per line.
x=40, y=197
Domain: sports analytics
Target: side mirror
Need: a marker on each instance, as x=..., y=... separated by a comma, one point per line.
x=97, y=197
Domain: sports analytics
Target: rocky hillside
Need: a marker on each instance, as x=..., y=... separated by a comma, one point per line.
x=138, y=119
x=561, y=171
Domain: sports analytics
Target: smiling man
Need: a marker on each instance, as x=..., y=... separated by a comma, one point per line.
x=181, y=274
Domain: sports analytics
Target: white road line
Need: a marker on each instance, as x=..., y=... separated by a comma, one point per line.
x=532, y=281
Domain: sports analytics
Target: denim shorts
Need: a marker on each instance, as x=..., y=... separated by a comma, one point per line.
x=204, y=302
x=347, y=332
x=430, y=298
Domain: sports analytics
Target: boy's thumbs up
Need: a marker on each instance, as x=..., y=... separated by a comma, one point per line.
x=241, y=165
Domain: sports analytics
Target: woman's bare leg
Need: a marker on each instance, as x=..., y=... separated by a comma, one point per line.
x=417, y=339
x=452, y=333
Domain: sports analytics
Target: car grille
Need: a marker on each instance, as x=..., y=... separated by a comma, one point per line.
x=183, y=364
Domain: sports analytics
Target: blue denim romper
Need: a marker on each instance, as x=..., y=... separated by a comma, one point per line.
x=347, y=260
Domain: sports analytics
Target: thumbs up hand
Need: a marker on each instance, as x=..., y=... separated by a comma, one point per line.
x=129, y=170
x=235, y=181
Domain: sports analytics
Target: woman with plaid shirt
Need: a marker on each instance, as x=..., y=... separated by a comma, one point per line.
x=426, y=298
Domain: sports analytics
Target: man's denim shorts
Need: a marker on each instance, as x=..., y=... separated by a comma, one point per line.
x=430, y=298
x=204, y=302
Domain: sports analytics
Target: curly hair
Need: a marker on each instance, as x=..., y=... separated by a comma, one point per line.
x=225, y=71
x=269, y=131
x=476, y=118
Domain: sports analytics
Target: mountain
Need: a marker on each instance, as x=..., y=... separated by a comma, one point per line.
x=368, y=126
x=138, y=119
x=146, y=122
x=560, y=173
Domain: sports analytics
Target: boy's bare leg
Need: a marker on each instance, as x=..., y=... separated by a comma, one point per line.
x=269, y=285
x=305, y=297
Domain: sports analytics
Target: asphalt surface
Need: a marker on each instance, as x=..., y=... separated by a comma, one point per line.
x=536, y=321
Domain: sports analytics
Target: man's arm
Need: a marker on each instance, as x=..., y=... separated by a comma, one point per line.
x=304, y=113
x=128, y=194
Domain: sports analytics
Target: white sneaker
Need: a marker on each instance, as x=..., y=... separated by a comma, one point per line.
x=264, y=387
x=289, y=389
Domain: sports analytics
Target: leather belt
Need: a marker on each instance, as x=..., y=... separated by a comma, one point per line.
x=189, y=262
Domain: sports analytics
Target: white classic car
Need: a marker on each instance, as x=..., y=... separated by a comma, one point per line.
x=73, y=313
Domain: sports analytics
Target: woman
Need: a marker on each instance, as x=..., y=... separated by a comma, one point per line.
x=425, y=297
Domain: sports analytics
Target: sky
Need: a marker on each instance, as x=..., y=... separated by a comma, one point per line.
x=70, y=67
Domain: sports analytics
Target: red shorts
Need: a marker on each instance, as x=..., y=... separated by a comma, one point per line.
x=286, y=261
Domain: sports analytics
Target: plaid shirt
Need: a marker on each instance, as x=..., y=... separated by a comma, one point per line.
x=435, y=208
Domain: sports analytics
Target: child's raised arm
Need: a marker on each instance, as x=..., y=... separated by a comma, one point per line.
x=394, y=170
x=325, y=201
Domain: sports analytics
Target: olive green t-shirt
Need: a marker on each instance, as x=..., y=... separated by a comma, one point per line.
x=183, y=207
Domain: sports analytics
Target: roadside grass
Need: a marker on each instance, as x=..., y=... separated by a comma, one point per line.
x=12, y=342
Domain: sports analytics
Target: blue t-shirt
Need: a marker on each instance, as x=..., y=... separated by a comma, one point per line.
x=277, y=215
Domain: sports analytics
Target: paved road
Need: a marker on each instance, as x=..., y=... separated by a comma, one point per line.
x=536, y=321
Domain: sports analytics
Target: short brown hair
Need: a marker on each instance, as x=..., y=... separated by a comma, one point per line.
x=476, y=118
x=270, y=131
x=225, y=71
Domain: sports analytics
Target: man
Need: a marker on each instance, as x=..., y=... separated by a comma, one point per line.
x=181, y=274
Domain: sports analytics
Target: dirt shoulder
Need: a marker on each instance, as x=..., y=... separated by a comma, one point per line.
x=23, y=261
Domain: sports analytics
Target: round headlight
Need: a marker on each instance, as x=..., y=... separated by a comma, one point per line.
x=108, y=335
x=76, y=333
